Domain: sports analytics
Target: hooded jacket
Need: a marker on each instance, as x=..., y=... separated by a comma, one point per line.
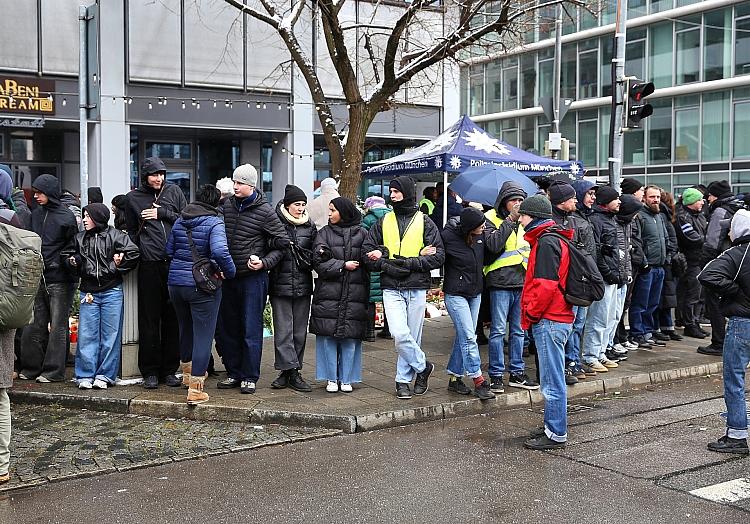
x=543, y=295
x=728, y=276
x=210, y=240
x=583, y=232
x=7, y=214
x=94, y=256
x=508, y=277
x=288, y=279
x=669, y=288
x=253, y=228
x=405, y=272
x=717, y=234
x=370, y=218
x=612, y=246
x=57, y=227
x=151, y=235
x=691, y=233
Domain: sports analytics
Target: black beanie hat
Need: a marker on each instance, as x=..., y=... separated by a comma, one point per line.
x=720, y=189
x=560, y=191
x=537, y=206
x=629, y=205
x=629, y=186
x=95, y=195
x=293, y=194
x=606, y=194
x=470, y=219
x=99, y=213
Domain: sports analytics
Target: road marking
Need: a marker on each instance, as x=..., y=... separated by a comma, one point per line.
x=731, y=491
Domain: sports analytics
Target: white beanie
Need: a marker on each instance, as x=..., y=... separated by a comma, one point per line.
x=328, y=183
x=246, y=174
x=740, y=226
x=225, y=185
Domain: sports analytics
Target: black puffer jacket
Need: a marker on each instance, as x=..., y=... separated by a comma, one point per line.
x=253, y=228
x=729, y=277
x=339, y=305
x=612, y=247
x=717, y=234
x=57, y=227
x=463, y=264
x=94, y=256
x=405, y=273
x=151, y=235
x=691, y=231
x=508, y=277
x=287, y=278
x=583, y=231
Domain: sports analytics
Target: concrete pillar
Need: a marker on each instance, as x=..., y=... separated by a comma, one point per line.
x=451, y=94
x=302, y=138
x=281, y=167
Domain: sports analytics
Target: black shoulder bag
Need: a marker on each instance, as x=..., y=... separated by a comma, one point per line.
x=205, y=272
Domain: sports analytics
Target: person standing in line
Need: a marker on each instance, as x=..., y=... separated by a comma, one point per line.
x=429, y=197
x=102, y=255
x=290, y=289
x=671, y=274
x=318, y=208
x=151, y=210
x=44, y=344
x=339, y=307
x=504, y=278
x=376, y=209
x=464, y=241
x=728, y=276
x=405, y=246
x=256, y=241
x=119, y=205
x=198, y=229
x=692, y=225
x=545, y=311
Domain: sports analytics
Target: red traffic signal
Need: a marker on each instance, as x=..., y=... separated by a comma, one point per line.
x=635, y=107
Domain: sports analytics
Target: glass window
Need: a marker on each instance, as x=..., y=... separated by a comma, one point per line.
x=543, y=136
x=510, y=84
x=717, y=51
x=588, y=20
x=586, y=146
x=608, y=12
x=169, y=150
x=587, y=80
x=742, y=47
x=635, y=58
x=714, y=176
x=18, y=34
x=660, y=132
x=660, y=5
x=633, y=148
x=662, y=181
x=464, y=90
x=528, y=80
x=687, y=135
x=568, y=72
x=495, y=87
x=527, y=133
x=636, y=8
x=60, y=36
x=476, y=90
x=568, y=131
x=605, y=75
x=546, y=22
x=154, y=38
x=213, y=44
x=741, y=129
x=545, y=77
x=661, y=55
x=688, y=50
x=715, y=126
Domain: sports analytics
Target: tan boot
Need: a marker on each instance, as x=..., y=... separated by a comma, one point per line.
x=195, y=392
x=187, y=368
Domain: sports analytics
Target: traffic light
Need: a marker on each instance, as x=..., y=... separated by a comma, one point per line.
x=636, y=108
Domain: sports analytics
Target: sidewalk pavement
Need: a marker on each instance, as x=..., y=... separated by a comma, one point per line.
x=373, y=404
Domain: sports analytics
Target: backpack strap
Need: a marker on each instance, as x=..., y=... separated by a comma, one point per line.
x=193, y=249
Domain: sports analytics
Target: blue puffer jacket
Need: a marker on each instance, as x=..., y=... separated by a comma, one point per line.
x=210, y=240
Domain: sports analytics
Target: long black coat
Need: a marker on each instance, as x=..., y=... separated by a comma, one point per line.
x=339, y=306
x=288, y=279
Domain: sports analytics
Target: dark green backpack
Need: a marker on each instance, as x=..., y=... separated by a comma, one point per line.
x=21, y=267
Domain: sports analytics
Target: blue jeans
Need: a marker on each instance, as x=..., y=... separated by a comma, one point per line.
x=601, y=320
x=613, y=321
x=465, y=355
x=645, y=302
x=196, y=318
x=100, y=336
x=240, y=322
x=736, y=359
x=505, y=308
x=405, y=311
x=338, y=359
x=573, y=345
x=550, y=338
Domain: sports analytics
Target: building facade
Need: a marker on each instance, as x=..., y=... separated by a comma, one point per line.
x=697, y=54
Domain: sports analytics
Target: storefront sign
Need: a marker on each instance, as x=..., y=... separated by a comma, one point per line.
x=26, y=95
x=21, y=122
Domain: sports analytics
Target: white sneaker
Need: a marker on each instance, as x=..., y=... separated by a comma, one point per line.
x=629, y=345
x=346, y=388
x=619, y=349
x=23, y=377
x=100, y=384
x=332, y=387
x=84, y=384
x=43, y=380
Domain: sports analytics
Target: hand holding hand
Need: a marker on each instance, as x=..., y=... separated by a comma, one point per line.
x=375, y=254
x=351, y=265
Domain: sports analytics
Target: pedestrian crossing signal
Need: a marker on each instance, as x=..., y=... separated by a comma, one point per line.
x=636, y=108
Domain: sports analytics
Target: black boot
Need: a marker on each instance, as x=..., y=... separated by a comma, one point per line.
x=297, y=383
x=282, y=381
x=370, y=334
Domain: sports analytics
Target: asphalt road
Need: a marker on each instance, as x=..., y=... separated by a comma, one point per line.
x=629, y=459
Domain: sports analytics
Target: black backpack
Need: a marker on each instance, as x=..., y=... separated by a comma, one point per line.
x=584, y=284
x=205, y=272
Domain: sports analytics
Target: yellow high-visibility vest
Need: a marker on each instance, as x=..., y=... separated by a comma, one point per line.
x=411, y=243
x=429, y=203
x=516, y=248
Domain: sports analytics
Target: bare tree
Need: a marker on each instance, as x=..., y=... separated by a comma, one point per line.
x=391, y=52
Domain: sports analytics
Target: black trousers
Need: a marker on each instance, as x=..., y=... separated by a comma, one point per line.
x=689, y=296
x=718, y=321
x=158, y=334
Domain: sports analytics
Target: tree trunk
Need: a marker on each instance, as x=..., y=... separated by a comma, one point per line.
x=350, y=172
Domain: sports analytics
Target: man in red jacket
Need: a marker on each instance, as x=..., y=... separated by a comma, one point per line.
x=547, y=314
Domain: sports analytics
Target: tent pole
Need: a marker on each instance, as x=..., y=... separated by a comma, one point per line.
x=445, y=197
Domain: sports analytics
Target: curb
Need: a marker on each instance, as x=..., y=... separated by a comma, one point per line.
x=364, y=422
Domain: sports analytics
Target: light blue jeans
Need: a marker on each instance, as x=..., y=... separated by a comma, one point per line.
x=573, y=345
x=465, y=355
x=338, y=359
x=598, y=319
x=505, y=308
x=614, y=320
x=4, y=431
x=100, y=336
x=736, y=359
x=404, y=310
x=550, y=338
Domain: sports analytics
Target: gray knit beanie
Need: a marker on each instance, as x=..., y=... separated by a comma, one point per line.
x=537, y=206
